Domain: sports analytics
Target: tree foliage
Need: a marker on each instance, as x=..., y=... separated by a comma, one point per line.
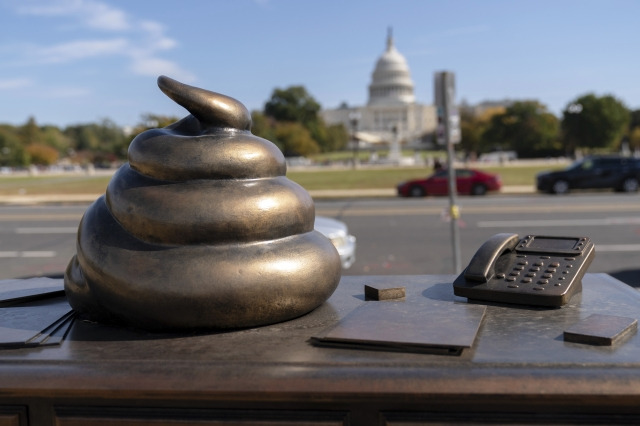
x=473, y=126
x=12, y=152
x=294, y=139
x=633, y=135
x=41, y=154
x=296, y=105
x=292, y=104
x=594, y=122
x=102, y=142
x=525, y=127
x=291, y=120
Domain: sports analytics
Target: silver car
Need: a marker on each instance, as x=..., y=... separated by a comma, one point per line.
x=338, y=233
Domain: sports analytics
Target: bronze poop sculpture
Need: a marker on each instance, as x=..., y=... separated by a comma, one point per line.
x=201, y=229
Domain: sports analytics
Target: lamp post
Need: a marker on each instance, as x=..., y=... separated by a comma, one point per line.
x=575, y=109
x=354, y=118
x=394, y=151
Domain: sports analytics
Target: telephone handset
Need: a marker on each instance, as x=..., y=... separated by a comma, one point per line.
x=535, y=270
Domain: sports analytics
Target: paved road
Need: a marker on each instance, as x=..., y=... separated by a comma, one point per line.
x=408, y=236
x=395, y=236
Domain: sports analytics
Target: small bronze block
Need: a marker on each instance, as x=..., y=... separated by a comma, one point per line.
x=601, y=330
x=374, y=292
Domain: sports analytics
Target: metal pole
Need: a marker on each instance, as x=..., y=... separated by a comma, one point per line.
x=454, y=211
x=444, y=99
x=354, y=117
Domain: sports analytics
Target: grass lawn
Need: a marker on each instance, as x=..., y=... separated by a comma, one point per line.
x=310, y=179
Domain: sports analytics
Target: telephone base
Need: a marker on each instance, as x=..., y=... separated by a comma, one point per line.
x=485, y=292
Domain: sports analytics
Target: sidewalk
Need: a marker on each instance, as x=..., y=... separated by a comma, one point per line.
x=317, y=194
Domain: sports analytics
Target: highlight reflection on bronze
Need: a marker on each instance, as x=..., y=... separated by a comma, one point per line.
x=201, y=229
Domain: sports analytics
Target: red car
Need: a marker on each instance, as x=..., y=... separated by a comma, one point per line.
x=468, y=182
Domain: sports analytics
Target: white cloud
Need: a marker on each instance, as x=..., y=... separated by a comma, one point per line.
x=92, y=14
x=15, y=83
x=154, y=36
x=81, y=49
x=151, y=66
x=139, y=40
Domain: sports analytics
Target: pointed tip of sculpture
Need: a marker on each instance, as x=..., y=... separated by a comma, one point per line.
x=210, y=108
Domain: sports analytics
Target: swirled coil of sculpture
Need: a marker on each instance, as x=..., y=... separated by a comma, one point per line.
x=201, y=229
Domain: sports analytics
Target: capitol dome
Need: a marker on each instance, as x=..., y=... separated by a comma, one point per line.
x=391, y=79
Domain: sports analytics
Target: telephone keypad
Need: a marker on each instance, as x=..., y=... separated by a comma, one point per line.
x=554, y=271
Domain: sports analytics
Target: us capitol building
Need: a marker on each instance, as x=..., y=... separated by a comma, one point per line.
x=392, y=117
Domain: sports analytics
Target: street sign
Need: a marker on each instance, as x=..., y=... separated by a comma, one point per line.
x=448, y=128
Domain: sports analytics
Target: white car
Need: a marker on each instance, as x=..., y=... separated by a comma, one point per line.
x=338, y=233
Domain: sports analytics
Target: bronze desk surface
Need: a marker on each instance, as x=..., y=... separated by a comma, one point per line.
x=519, y=365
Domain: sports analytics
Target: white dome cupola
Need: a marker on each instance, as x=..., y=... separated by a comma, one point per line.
x=391, y=80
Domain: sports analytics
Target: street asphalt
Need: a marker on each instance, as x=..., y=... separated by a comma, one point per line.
x=316, y=194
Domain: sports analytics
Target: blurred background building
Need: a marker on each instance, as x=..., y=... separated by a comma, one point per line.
x=392, y=116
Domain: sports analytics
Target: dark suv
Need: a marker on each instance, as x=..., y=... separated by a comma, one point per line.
x=596, y=172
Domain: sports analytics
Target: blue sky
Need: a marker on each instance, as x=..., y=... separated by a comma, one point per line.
x=79, y=61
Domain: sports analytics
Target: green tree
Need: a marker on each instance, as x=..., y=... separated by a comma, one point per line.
x=594, y=122
x=98, y=142
x=12, y=152
x=30, y=133
x=337, y=138
x=52, y=136
x=525, y=127
x=294, y=139
x=634, y=130
x=473, y=126
x=296, y=105
x=154, y=121
x=83, y=137
x=263, y=126
x=292, y=104
x=42, y=154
